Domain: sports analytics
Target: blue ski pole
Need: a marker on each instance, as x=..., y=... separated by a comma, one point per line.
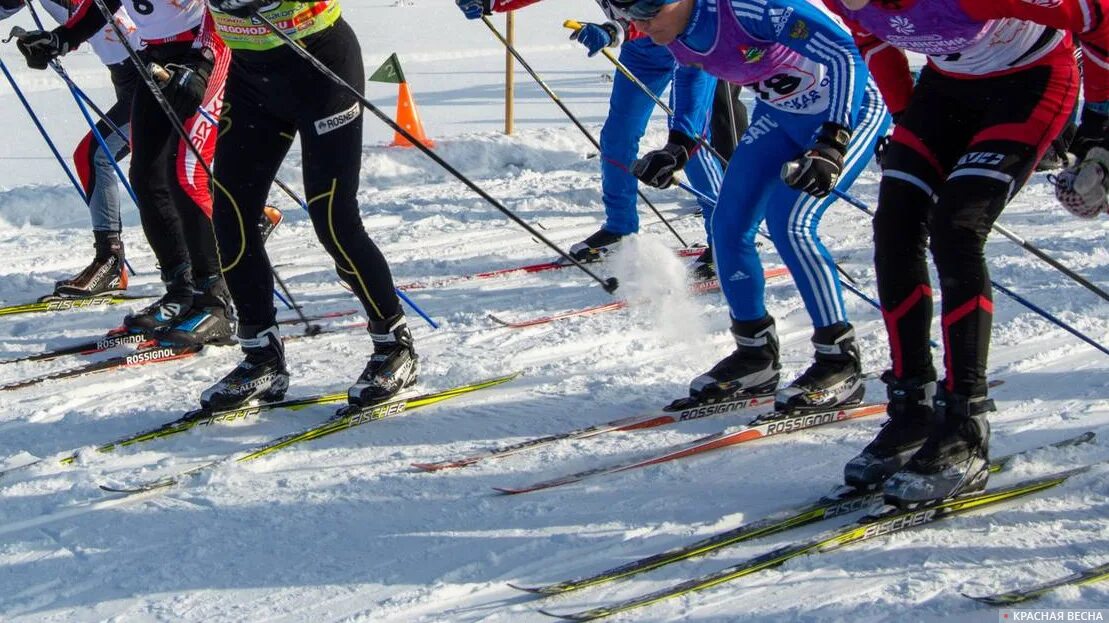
x=1013, y=295
x=42, y=130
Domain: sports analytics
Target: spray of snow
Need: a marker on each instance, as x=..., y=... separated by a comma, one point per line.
x=656, y=281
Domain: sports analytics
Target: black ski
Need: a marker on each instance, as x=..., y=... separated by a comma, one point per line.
x=119, y=337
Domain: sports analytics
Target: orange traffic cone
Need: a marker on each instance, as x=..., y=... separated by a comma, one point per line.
x=409, y=119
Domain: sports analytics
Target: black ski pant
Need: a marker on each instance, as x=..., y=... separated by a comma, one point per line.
x=962, y=150
x=271, y=96
x=729, y=118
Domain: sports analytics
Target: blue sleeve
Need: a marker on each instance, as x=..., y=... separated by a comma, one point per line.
x=693, y=90
x=805, y=29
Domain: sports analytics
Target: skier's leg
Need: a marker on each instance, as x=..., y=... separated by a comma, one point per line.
x=1009, y=141
x=835, y=377
x=748, y=183
x=330, y=125
x=210, y=320
x=629, y=111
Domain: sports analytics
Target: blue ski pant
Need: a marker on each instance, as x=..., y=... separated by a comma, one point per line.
x=629, y=111
x=753, y=192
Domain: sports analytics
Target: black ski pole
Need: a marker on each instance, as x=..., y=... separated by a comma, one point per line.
x=156, y=91
x=622, y=68
x=609, y=284
x=558, y=101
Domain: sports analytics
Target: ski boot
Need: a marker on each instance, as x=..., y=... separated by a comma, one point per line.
x=751, y=369
x=209, y=321
x=835, y=378
x=953, y=461
x=106, y=273
x=261, y=376
x=391, y=368
x=911, y=419
x=703, y=268
x=595, y=247
x=168, y=310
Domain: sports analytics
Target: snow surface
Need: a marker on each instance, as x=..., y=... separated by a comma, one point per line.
x=343, y=529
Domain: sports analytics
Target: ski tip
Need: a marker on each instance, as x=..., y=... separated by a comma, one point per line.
x=428, y=467
x=124, y=490
x=527, y=589
x=508, y=490
x=500, y=321
x=555, y=615
x=984, y=599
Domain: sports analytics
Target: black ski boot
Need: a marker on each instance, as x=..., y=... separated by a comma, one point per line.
x=703, y=268
x=168, y=310
x=953, y=461
x=106, y=273
x=262, y=375
x=751, y=369
x=911, y=419
x=595, y=247
x=209, y=321
x=835, y=378
x=391, y=368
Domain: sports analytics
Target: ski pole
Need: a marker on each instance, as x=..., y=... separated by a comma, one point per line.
x=558, y=101
x=81, y=99
x=400, y=293
x=1013, y=295
x=163, y=103
x=609, y=284
x=1024, y=244
x=623, y=69
x=42, y=131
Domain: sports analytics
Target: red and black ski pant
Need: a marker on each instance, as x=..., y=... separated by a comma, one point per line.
x=961, y=151
x=175, y=202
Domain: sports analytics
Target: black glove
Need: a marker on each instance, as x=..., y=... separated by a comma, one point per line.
x=238, y=8
x=817, y=170
x=187, y=82
x=658, y=167
x=883, y=143
x=1092, y=132
x=40, y=47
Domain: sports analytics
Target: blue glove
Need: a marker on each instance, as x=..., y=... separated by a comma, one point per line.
x=595, y=37
x=475, y=9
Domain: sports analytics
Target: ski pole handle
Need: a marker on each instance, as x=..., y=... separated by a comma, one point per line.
x=572, y=24
x=790, y=170
x=160, y=73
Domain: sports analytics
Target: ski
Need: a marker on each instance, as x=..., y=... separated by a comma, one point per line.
x=190, y=420
x=868, y=527
x=763, y=426
x=1078, y=578
x=120, y=337
x=526, y=269
x=345, y=418
x=678, y=411
x=700, y=287
x=155, y=353
x=777, y=523
x=57, y=303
